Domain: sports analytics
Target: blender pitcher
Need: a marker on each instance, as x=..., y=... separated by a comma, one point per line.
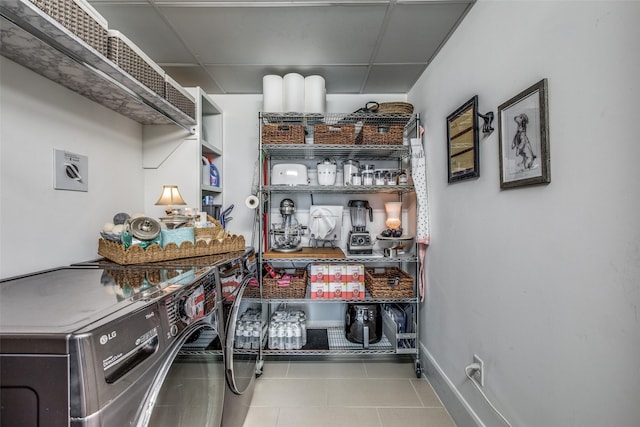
x=358, y=211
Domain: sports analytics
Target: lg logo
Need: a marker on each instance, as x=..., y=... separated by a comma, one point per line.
x=106, y=338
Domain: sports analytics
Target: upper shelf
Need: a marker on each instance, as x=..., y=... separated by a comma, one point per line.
x=31, y=38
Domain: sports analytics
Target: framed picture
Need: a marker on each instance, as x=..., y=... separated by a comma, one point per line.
x=524, y=138
x=463, y=142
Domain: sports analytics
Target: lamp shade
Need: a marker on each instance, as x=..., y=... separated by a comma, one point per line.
x=170, y=196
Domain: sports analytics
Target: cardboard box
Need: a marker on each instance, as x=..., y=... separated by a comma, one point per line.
x=354, y=281
x=319, y=280
x=337, y=284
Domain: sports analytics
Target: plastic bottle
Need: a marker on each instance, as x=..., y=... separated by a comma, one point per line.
x=273, y=335
x=239, y=339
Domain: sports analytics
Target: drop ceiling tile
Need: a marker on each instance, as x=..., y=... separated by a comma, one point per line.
x=248, y=79
x=279, y=35
x=416, y=31
x=393, y=78
x=144, y=27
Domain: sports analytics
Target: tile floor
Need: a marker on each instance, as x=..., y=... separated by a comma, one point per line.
x=345, y=392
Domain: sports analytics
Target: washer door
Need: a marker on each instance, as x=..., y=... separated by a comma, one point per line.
x=243, y=343
x=189, y=389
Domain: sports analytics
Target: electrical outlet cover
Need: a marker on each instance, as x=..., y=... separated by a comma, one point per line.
x=70, y=171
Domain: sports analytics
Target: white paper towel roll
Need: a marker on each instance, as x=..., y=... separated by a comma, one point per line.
x=252, y=202
x=293, y=84
x=272, y=87
x=314, y=99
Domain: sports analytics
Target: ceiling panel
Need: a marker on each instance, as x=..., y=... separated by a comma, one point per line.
x=358, y=46
x=416, y=31
x=279, y=35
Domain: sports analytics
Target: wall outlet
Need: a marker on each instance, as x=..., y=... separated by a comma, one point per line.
x=70, y=171
x=479, y=374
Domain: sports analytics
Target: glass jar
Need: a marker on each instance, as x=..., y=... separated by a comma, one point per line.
x=379, y=177
x=356, y=179
x=367, y=177
x=402, y=177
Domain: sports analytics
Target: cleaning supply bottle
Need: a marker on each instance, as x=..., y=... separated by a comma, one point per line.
x=215, y=176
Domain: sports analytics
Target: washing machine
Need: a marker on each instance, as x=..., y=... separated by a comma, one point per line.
x=244, y=332
x=101, y=345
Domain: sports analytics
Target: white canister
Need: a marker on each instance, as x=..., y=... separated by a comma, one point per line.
x=349, y=167
x=327, y=172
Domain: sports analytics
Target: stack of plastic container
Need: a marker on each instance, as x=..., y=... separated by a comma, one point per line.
x=288, y=330
x=248, y=328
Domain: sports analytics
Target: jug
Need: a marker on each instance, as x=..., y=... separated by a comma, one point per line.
x=358, y=212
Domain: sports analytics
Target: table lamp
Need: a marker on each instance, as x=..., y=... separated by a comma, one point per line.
x=170, y=196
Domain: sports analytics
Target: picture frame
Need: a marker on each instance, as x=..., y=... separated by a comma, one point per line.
x=463, y=142
x=523, y=123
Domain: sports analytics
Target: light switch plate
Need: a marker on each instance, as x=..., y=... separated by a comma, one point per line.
x=70, y=171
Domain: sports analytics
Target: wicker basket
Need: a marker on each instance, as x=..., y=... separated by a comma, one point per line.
x=178, y=97
x=138, y=255
x=344, y=134
x=388, y=282
x=131, y=59
x=282, y=133
x=395, y=108
x=80, y=18
x=382, y=134
x=276, y=289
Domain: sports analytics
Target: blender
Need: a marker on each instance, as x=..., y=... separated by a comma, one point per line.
x=360, y=242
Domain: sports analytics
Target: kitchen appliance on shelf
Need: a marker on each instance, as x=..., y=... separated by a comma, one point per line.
x=360, y=242
x=325, y=225
x=327, y=172
x=363, y=324
x=289, y=174
x=288, y=234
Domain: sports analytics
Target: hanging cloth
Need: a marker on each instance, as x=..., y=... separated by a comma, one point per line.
x=419, y=175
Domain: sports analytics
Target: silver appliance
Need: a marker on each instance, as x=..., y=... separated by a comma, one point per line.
x=289, y=174
x=287, y=235
x=243, y=362
x=360, y=242
x=102, y=345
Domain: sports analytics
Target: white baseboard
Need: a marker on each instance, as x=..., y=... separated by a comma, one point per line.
x=459, y=410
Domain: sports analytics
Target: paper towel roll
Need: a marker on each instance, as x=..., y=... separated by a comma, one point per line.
x=272, y=87
x=293, y=93
x=314, y=94
x=252, y=202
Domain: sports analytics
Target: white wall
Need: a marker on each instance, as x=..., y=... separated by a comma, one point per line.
x=41, y=227
x=543, y=283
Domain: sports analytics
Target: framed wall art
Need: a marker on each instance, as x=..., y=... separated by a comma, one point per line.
x=523, y=122
x=463, y=142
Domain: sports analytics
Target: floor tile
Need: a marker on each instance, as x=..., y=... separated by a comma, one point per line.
x=390, y=369
x=275, y=369
x=262, y=416
x=319, y=369
x=415, y=417
x=290, y=392
x=324, y=417
x=372, y=393
x=428, y=397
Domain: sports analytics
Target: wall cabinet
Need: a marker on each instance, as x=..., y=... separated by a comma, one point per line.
x=326, y=318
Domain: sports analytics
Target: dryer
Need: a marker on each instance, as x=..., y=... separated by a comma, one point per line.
x=244, y=333
x=103, y=346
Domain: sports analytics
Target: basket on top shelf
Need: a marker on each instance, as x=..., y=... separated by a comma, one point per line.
x=293, y=287
x=381, y=134
x=388, y=282
x=343, y=134
x=282, y=133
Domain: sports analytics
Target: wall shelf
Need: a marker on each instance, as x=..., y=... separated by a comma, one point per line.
x=31, y=38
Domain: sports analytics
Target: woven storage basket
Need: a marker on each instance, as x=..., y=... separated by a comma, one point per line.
x=344, y=134
x=395, y=108
x=80, y=18
x=382, y=134
x=138, y=255
x=178, y=97
x=282, y=133
x=388, y=282
x=297, y=287
x=131, y=59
